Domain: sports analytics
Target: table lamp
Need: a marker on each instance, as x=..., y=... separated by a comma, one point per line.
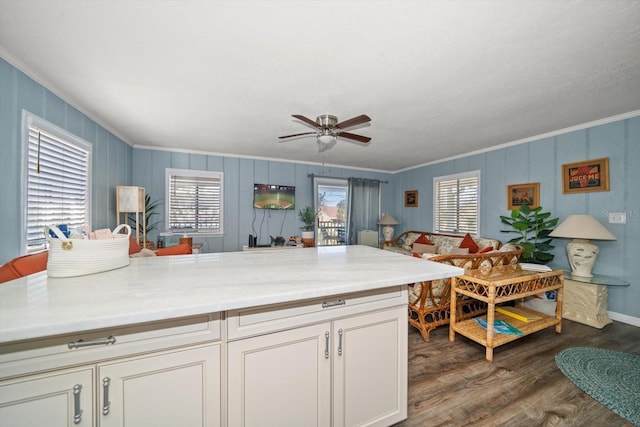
x=388, y=221
x=580, y=251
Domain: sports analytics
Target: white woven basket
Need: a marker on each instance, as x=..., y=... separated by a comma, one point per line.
x=77, y=257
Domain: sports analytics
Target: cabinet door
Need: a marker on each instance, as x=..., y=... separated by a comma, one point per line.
x=61, y=399
x=281, y=379
x=370, y=369
x=180, y=388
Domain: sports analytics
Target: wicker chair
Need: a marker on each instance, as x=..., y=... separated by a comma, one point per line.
x=431, y=306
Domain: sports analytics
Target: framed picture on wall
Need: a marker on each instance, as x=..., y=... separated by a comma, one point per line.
x=523, y=194
x=411, y=199
x=586, y=176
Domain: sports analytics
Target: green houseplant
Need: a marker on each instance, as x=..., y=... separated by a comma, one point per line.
x=533, y=227
x=308, y=217
x=150, y=211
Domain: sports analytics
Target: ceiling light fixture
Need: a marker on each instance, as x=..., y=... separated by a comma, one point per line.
x=326, y=139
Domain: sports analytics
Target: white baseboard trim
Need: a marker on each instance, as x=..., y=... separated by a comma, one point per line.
x=635, y=321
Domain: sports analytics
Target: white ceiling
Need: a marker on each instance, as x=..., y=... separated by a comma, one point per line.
x=438, y=78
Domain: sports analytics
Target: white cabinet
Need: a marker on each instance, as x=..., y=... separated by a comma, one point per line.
x=350, y=371
x=60, y=399
x=177, y=388
x=158, y=374
x=281, y=379
x=370, y=369
x=180, y=388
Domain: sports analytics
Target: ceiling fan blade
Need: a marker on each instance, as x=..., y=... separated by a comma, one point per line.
x=353, y=136
x=297, y=134
x=363, y=118
x=306, y=120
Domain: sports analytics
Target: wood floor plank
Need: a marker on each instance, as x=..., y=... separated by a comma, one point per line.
x=451, y=383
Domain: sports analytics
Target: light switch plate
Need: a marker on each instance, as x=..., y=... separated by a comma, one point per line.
x=617, y=217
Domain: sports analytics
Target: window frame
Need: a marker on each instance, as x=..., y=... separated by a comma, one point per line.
x=31, y=120
x=456, y=177
x=169, y=172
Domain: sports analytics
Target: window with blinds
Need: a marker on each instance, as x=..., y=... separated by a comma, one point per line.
x=58, y=170
x=194, y=201
x=457, y=203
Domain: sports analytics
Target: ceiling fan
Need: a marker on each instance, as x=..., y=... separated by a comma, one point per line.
x=328, y=129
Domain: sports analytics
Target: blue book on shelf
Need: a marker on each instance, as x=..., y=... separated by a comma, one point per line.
x=499, y=326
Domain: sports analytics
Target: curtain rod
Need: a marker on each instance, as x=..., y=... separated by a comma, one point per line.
x=341, y=177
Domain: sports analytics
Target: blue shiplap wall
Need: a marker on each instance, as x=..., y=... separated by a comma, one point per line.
x=111, y=157
x=240, y=219
x=541, y=161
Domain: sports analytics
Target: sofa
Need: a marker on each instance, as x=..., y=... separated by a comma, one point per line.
x=429, y=302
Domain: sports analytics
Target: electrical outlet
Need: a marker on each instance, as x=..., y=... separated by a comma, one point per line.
x=617, y=217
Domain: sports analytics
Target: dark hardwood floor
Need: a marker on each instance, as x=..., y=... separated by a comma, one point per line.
x=451, y=383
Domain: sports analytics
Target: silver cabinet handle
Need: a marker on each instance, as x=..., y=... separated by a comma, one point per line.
x=100, y=341
x=340, y=342
x=77, y=410
x=326, y=345
x=105, y=395
x=333, y=303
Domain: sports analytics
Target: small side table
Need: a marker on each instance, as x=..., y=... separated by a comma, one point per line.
x=586, y=298
x=498, y=285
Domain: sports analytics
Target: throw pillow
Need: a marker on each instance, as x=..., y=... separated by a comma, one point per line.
x=485, y=250
x=408, y=241
x=181, y=249
x=134, y=246
x=467, y=242
x=423, y=240
x=425, y=249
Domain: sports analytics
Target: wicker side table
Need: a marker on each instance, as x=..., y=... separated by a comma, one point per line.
x=498, y=285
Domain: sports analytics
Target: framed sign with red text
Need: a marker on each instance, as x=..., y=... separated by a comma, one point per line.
x=586, y=176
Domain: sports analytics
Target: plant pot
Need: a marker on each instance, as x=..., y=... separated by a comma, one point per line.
x=308, y=238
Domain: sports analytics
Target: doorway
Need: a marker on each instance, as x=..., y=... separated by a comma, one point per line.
x=331, y=197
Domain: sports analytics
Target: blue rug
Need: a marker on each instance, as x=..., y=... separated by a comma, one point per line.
x=610, y=377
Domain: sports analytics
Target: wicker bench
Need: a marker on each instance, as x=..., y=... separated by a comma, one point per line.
x=430, y=302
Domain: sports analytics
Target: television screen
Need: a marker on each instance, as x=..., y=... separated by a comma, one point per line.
x=267, y=196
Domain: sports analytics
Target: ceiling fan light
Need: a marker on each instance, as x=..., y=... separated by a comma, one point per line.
x=326, y=139
x=324, y=147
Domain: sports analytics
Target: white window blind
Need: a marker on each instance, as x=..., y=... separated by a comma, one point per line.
x=57, y=180
x=194, y=201
x=456, y=203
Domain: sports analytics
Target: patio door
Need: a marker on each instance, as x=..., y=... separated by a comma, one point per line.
x=331, y=197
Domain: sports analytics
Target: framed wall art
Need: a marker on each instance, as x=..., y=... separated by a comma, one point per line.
x=586, y=176
x=523, y=194
x=411, y=199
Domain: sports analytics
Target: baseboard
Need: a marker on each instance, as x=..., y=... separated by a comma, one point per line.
x=635, y=321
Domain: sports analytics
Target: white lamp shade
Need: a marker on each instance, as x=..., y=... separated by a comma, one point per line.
x=130, y=199
x=388, y=220
x=582, y=227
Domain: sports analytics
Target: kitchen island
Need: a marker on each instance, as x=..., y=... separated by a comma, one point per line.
x=313, y=336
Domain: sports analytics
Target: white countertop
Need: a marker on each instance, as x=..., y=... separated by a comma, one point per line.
x=158, y=288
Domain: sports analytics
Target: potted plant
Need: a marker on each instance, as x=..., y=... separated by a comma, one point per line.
x=533, y=227
x=150, y=210
x=308, y=217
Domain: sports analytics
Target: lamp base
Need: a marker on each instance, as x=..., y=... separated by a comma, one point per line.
x=387, y=232
x=582, y=256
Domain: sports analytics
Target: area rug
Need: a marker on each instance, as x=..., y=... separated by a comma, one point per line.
x=610, y=377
